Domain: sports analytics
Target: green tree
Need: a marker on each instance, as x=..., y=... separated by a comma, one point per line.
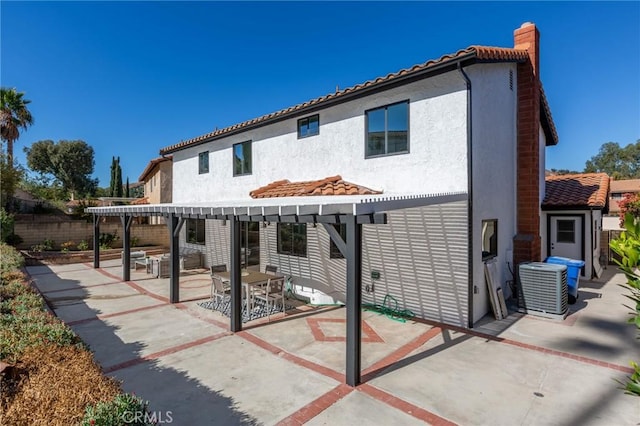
x=115, y=186
x=618, y=162
x=9, y=179
x=127, y=191
x=118, y=183
x=68, y=162
x=14, y=117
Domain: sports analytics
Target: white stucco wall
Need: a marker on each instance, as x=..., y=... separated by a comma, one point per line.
x=494, y=140
x=436, y=161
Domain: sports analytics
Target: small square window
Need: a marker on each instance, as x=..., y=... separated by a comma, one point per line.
x=489, y=239
x=203, y=162
x=566, y=231
x=242, y=158
x=309, y=126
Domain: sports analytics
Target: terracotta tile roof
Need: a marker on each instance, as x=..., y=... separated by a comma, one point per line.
x=625, y=185
x=576, y=190
x=138, y=201
x=333, y=185
x=479, y=53
x=147, y=170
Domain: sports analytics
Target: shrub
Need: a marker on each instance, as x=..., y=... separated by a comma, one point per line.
x=629, y=204
x=106, y=240
x=10, y=259
x=48, y=244
x=78, y=210
x=83, y=245
x=67, y=245
x=123, y=409
x=13, y=239
x=627, y=246
x=6, y=224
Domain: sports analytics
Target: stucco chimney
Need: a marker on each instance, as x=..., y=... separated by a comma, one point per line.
x=527, y=240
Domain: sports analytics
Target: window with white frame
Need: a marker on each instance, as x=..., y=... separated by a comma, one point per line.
x=387, y=130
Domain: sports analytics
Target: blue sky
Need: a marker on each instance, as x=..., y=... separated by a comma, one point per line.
x=132, y=77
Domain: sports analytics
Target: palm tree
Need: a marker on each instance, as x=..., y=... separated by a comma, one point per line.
x=14, y=116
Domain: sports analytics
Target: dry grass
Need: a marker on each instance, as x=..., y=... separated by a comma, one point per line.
x=52, y=385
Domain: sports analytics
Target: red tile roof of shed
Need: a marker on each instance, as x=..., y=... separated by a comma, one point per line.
x=576, y=190
x=480, y=53
x=333, y=185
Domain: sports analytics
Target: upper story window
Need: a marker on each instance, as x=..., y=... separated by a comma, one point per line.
x=203, y=162
x=292, y=239
x=387, y=130
x=309, y=126
x=242, y=158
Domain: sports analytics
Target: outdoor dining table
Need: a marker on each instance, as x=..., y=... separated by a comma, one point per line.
x=249, y=279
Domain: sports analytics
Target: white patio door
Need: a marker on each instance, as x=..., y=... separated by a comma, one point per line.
x=566, y=237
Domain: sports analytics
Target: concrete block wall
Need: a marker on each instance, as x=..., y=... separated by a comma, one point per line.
x=33, y=233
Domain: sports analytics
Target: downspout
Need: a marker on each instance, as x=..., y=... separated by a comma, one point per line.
x=469, y=197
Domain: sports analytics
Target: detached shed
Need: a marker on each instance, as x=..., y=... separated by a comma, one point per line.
x=572, y=212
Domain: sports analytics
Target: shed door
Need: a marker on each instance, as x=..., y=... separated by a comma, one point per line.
x=566, y=236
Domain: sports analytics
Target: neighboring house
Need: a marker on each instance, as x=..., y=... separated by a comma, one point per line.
x=451, y=152
x=573, y=210
x=157, y=180
x=618, y=189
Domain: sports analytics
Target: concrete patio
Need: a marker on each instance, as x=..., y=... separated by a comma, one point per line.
x=524, y=370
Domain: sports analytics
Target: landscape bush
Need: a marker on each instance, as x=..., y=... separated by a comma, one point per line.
x=10, y=259
x=627, y=246
x=52, y=377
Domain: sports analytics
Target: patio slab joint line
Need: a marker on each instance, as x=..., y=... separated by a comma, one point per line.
x=164, y=352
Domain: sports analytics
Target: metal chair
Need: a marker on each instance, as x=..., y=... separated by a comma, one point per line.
x=219, y=288
x=272, y=293
x=218, y=268
x=270, y=269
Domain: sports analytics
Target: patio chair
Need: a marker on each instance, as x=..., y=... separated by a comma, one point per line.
x=219, y=288
x=217, y=268
x=272, y=293
x=270, y=269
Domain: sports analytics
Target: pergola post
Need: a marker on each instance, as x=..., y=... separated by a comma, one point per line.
x=236, y=284
x=174, y=224
x=96, y=241
x=354, y=299
x=126, y=246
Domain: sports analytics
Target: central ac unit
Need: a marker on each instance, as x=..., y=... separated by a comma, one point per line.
x=542, y=289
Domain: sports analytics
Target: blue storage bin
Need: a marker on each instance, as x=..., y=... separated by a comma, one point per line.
x=573, y=274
